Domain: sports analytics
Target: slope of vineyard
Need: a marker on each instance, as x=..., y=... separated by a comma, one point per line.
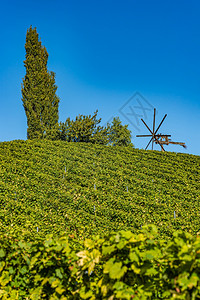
x=53, y=187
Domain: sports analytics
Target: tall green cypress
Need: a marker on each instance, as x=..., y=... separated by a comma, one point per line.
x=39, y=90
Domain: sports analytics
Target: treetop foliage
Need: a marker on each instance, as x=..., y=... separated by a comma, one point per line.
x=119, y=134
x=87, y=129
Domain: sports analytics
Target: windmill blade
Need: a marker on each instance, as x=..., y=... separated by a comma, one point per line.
x=144, y=135
x=158, y=135
x=154, y=116
x=160, y=123
x=149, y=143
x=159, y=143
x=152, y=145
x=147, y=126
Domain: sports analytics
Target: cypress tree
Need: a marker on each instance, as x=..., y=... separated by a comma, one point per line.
x=39, y=90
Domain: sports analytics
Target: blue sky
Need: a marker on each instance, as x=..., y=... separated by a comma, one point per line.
x=103, y=52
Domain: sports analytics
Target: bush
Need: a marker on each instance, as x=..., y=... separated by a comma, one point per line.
x=122, y=265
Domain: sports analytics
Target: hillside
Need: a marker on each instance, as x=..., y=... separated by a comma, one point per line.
x=50, y=187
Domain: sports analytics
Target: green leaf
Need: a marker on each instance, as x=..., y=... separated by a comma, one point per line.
x=60, y=290
x=89, y=243
x=23, y=270
x=193, y=281
x=2, y=253
x=108, y=265
x=134, y=257
x=126, y=234
x=59, y=274
x=108, y=249
x=118, y=285
x=117, y=271
x=121, y=244
x=135, y=269
x=151, y=272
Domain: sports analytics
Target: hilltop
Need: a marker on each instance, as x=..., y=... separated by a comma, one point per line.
x=51, y=187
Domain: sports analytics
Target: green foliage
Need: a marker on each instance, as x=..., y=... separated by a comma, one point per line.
x=38, y=270
x=84, y=129
x=125, y=266
x=39, y=91
x=47, y=188
x=119, y=135
x=121, y=265
x=56, y=185
x=87, y=129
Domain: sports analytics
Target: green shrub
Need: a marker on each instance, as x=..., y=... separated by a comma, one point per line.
x=120, y=265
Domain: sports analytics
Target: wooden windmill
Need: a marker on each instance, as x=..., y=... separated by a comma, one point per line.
x=161, y=139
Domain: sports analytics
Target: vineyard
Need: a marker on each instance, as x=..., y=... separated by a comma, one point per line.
x=84, y=193
x=51, y=187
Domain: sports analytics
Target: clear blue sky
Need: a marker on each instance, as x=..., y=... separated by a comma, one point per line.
x=103, y=52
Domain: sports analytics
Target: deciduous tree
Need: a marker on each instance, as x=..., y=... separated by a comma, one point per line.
x=119, y=135
x=84, y=129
